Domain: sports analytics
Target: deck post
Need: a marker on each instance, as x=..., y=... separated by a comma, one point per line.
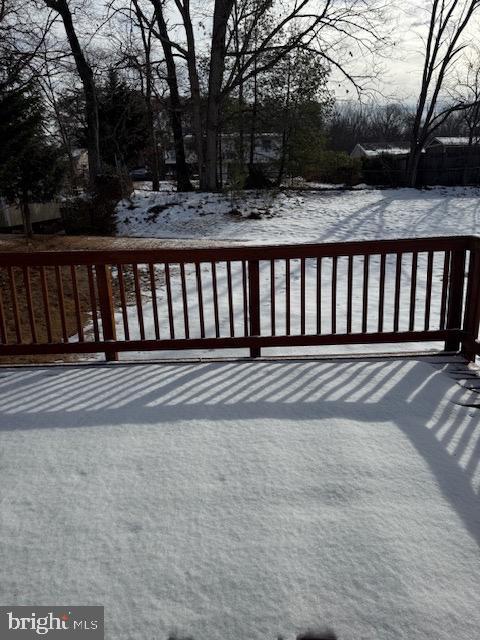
x=105, y=299
x=254, y=303
x=455, y=297
x=472, y=306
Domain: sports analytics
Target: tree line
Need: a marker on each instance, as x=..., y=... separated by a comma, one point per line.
x=126, y=78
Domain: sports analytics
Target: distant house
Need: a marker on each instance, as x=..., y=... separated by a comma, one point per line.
x=11, y=214
x=377, y=149
x=80, y=162
x=266, y=151
x=452, y=160
x=458, y=146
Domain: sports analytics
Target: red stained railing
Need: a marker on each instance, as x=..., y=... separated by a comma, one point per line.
x=412, y=290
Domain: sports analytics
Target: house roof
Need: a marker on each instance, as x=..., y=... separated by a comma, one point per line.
x=451, y=141
x=373, y=149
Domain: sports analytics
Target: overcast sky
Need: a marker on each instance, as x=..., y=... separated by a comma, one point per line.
x=406, y=21
x=402, y=63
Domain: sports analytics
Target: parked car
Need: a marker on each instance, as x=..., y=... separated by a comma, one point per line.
x=140, y=174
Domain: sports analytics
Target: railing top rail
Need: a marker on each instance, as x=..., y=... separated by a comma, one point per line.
x=236, y=252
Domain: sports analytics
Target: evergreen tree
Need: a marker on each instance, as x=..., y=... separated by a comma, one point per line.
x=30, y=167
x=124, y=132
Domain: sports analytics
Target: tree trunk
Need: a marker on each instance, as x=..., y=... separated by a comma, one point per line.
x=253, y=124
x=153, y=142
x=151, y=129
x=147, y=49
x=286, y=129
x=283, y=158
x=175, y=105
x=26, y=213
x=194, y=87
x=86, y=75
x=221, y=14
x=412, y=165
x=220, y=161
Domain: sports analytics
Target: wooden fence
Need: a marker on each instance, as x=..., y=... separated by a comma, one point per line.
x=253, y=297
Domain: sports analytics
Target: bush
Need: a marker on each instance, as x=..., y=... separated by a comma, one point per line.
x=89, y=215
x=336, y=168
x=384, y=170
x=94, y=213
x=113, y=186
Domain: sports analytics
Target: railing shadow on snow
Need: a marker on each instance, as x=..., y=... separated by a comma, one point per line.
x=437, y=416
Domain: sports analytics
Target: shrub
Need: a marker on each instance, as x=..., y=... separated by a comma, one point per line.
x=94, y=212
x=336, y=168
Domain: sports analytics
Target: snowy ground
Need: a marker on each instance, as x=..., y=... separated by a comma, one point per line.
x=245, y=500
x=302, y=216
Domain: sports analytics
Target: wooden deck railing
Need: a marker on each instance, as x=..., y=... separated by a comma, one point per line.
x=413, y=290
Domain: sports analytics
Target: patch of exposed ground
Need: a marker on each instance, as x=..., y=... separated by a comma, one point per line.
x=10, y=242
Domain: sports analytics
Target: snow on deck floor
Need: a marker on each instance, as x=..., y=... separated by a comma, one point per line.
x=237, y=500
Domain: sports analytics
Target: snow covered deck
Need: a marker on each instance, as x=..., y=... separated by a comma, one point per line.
x=236, y=500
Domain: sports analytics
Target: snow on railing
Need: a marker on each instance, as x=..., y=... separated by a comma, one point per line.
x=254, y=297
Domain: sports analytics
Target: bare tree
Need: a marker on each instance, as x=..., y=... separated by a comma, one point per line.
x=446, y=39
x=190, y=54
x=146, y=27
x=22, y=35
x=51, y=89
x=88, y=82
x=221, y=14
x=468, y=90
x=304, y=24
x=175, y=103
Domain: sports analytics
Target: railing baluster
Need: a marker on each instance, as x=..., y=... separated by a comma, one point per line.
x=413, y=291
x=13, y=293
x=246, y=327
x=334, y=294
x=3, y=326
x=46, y=303
x=254, y=303
x=428, y=291
x=302, y=296
x=93, y=302
x=61, y=302
x=76, y=298
x=381, y=293
x=123, y=301
x=398, y=276
x=168, y=283
x=138, y=301
x=198, y=274
x=186, y=324
x=107, y=313
x=455, y=298
x=443, y=300
x=287, y=296
x=230, y=299
x=216, y=316
x=471, y=321
x=366, y=264
x=319, y=296
x=349, y=293
x=28, y=296
x=153, y=289
x=272, y=297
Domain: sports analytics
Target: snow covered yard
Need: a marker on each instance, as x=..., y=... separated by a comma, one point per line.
x=330, y=215
x=246, y=499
